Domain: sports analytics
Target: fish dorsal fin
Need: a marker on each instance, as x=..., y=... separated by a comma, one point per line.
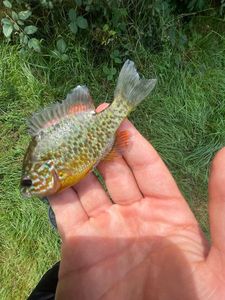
x=76, y=102
x=79, y=100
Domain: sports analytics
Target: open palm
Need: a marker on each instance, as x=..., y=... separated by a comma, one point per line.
x=142, y=242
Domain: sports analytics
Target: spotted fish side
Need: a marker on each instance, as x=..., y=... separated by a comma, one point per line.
x=69, y=138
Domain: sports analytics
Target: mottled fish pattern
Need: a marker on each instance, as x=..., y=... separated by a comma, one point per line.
x=70, y=138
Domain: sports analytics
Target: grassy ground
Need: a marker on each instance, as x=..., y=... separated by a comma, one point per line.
x=184, y=119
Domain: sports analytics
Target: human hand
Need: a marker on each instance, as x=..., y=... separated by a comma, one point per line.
x=146, y=244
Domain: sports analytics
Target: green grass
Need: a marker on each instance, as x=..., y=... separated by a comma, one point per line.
x=184, y=119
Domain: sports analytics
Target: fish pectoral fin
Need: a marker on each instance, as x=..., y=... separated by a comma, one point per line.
x=122, y=139
x=113, y=154
x=121, y=142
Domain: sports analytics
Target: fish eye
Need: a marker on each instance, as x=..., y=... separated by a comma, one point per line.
x=26, y=182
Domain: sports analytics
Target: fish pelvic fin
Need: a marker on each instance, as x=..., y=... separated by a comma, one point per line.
x=130, y=87
x=77, y=101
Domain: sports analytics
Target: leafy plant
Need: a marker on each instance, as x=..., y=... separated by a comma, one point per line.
x=222, y=7
x=197, y=4
x=109, y=25
x=110, y=72
x=15, y=24
x=76, y=21
x=61, y=49
x=116, y=56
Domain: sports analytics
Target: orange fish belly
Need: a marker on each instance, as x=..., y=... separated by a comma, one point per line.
x=73, y=178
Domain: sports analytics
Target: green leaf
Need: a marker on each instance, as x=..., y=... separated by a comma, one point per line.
x=50, y=5
x=7, y=4
x=73, y=27
x=56, y=53
x=82, y=22
x=117, y=60
x=116, y=52
x=6, y=21
x=21, y=23
x=30, y=29
x=14, y=15
x=23, y=38
x=34, y=44
x=72, y=15
x=24, y=15
x=78, y=2
x=105, y=69
x=15, y=25
x=61, y=45
x=65, y=57
x=7, y=30
x=109, y=77
x=105, y=27
x=113, y=71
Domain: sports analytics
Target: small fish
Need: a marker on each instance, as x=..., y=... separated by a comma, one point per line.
x=69, y=139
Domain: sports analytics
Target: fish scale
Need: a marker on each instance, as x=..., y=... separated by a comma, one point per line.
x=69, y=139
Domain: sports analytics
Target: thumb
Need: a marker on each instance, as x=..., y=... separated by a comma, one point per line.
x=217, y=203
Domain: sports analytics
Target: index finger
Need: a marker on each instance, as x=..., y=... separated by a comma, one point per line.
x=152, y=175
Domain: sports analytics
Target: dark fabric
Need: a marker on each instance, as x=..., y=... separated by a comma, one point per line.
x=46, y=288
x=51, y=217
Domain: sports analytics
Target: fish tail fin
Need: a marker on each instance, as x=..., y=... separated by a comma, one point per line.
x=130, y=88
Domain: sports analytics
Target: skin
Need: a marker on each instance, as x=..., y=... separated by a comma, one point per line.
x=146, y=244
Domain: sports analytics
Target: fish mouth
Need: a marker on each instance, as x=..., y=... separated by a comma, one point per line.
x=29, y=191
x=25, y=185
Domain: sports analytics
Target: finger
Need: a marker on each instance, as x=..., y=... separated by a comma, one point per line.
x=217, y=201
x=120, y=181
x=151, y=174
x=92, y=196
x=68, y=211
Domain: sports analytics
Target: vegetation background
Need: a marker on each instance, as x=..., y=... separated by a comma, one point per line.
x=48, y=47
